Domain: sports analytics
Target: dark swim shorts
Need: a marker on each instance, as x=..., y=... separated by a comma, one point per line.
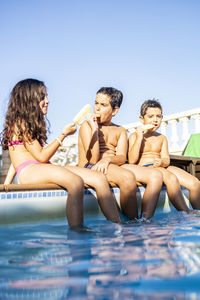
x=147, y=165
x=88, y=165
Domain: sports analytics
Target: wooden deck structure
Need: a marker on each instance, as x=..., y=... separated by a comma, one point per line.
x=187, y=163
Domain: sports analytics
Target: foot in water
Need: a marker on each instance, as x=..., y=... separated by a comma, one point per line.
x=130, y=221
x=81, y=229
x=193, y=212
x=144, y=220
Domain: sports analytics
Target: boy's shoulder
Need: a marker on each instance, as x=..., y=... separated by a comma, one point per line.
x=156, y=134
x=160, y=138
x=117, y=127
x=84, y=124
x=160, y=135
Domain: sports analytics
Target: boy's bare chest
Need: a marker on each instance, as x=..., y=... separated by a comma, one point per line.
x=108, y=135
x=152, y=144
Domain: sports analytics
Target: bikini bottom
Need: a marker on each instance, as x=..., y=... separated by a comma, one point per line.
x=26, y=164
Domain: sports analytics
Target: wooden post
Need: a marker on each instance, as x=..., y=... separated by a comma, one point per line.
x=5, y=164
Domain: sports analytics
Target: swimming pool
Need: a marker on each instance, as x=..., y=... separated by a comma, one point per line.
x=157, y=260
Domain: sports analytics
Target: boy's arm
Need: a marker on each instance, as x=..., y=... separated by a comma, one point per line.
x=135, y=142
x=10, y=175
x=164, y=159
x=89, y=137
x=121, y=149
x=118, y=159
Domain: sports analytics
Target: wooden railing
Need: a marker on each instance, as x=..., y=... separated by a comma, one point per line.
x=67, y=154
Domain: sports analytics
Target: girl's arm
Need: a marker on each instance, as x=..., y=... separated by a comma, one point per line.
x=88, y=134
x=135, y=142
x=44, y=154
x=10, y=175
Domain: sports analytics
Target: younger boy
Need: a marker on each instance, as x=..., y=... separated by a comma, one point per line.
x=103, y=147
x=151, y=148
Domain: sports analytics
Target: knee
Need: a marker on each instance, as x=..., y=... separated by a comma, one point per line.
x=172, y=179
x=156, y=178
x=100, y=180
x=76, y=184
x=195, y=185
x=128, y=180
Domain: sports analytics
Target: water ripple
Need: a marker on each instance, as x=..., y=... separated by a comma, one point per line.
x=137, y=260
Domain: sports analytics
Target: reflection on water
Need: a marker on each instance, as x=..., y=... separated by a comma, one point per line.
x=160, y=260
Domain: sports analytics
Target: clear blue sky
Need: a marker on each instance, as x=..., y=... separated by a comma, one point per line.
x=146, y=48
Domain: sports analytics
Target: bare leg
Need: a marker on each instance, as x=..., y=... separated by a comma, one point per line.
x=189, y=182
x=98, y=181
x=174, y=190
x=47, y=173
x=153, y=180
x=127, y=184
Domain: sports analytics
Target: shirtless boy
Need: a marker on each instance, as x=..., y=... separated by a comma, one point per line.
x=150, y=148
x=103, y=147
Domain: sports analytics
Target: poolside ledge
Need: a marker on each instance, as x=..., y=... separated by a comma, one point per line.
x=21, y=203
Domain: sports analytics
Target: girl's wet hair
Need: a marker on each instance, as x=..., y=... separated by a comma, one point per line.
x=149, y=103
x=116, y=96
x=24, y=118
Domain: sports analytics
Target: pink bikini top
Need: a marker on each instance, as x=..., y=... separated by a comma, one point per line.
x=13, y=143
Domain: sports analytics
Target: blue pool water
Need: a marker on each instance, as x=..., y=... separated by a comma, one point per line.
x=160, y=260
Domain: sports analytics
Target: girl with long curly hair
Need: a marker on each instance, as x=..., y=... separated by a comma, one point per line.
x=25, y=134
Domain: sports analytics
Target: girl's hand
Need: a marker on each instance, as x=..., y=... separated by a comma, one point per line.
x=69, y=129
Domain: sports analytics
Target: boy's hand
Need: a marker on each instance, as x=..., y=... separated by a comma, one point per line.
x=92, y=121
x=157, y=162
x=140, y=132
x=102, y=165
x=69, y=129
